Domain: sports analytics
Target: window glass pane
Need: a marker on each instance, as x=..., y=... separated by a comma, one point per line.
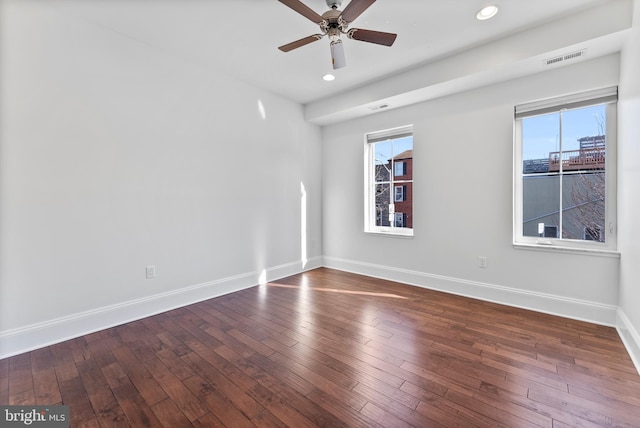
x=405, y=206
x=583, y=206
x=581, y=127
x=382, y=201
x=540, y=182
x=382, y=155
x=540, y=143
x=402, y=148
x=583, y=157
x=540, y=199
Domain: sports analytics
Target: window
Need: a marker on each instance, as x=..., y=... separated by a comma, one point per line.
x=389, y=181
x=565, y=171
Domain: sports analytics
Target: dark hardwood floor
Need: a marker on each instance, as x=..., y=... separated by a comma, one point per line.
x=329, y=348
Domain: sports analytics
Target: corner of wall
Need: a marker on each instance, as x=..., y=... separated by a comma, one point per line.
x=630, y=337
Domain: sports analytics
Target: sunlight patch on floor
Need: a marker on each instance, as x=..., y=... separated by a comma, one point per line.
x=338, y=291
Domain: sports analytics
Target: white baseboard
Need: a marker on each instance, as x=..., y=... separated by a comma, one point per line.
x=540, y=302
x=17, y=341
x=28, y=338
x=630, y=337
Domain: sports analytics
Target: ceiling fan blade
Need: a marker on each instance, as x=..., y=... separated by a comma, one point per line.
x=355, y=8
x=303, y=10
x=299, y=43
x=377, y=37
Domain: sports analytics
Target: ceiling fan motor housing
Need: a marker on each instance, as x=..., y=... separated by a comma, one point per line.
x=333, y=24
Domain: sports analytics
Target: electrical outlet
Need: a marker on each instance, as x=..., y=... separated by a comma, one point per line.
x=482, y=262
x=151, y=272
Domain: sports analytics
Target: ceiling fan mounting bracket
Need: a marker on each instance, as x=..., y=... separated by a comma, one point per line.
x=334, y=4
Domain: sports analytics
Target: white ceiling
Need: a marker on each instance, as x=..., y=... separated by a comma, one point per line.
x=240, y=37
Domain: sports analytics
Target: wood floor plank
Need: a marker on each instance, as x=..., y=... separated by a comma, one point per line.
x=188, y=403
x=331, y=348
x=137, y=411
x=541, y=409
x=139, y=376
x=500, y=399
x=4, y=390
x=383, y=417
x=170, y=415
x=73, y=392
x=598, y=412
x=41, y=359
x=103, y=402
x=348, y=354
x=322, y=377
x=45, y=388
x=219, y=405
x=21, y=378
x=298, y=410
x=142, y=342
x=438, y=415
x=4, y=368
x=339, y=410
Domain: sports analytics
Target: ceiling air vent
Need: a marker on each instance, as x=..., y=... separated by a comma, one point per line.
x=565, y=57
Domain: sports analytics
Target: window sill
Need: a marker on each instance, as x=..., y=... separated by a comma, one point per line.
x=390, y=233
x=567, y=250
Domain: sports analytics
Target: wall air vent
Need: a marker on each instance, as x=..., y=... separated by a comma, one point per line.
x=378, y=107
x=565, y=57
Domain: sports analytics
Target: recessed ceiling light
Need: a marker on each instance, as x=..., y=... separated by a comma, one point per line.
x=487, y=12
x=328, y=77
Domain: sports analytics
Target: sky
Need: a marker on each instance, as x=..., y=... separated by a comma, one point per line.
x=387, y=149
x=541, y=133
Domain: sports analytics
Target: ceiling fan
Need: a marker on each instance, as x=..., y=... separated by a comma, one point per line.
x=333, y=23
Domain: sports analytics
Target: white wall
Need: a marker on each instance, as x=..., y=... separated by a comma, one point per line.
x=629, y=185
x=463, y=165
x=115, y=156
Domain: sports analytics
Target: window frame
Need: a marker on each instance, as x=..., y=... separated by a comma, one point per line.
x=606, y=96
x=369, y=182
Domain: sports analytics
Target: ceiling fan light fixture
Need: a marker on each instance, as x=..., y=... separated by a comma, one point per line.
x=487, y=12
x=337, y=54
